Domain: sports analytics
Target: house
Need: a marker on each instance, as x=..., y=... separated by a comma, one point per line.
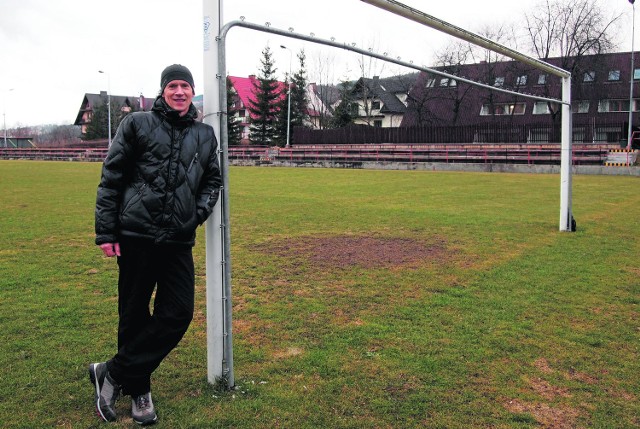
x=118, y=102
x=322, y=101
x=600, y=98
x=243, y=87
x=381, y=102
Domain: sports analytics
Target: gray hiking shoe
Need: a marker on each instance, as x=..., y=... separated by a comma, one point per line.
x=107, y=391
x=142, y=409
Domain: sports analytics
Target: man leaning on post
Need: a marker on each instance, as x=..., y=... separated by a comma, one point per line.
x=160, y=180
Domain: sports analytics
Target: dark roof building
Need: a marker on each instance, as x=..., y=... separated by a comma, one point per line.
x=118, y=102
x=382, y=102
x=600, y=97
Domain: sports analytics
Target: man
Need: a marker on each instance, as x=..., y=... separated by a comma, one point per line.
x=160, y=180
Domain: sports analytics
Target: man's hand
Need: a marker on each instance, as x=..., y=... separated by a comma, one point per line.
x=110, y=249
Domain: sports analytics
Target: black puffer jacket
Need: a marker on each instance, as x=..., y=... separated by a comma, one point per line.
x=160, y=179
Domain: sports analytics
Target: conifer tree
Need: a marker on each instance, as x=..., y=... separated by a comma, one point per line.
x=299, y=98
x=97, y=128
x=234, y=127
x=343, y=114
x=264, y=108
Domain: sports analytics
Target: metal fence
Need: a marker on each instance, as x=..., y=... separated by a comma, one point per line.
x=582, y=154
x=504, y=133
x=530, y=154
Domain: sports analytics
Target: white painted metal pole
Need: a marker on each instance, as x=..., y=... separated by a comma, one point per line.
x=4, y=115
x=289, y=102
x=633, y=35
x=212, y=14
x=566, y=154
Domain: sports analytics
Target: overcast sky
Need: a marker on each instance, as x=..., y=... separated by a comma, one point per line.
x=51, y=50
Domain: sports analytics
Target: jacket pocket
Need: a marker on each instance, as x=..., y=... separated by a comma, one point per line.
x=137, y=195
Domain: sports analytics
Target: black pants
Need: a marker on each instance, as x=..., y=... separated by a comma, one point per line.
x=145, y=338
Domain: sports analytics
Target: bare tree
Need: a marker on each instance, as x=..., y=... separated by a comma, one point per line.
x=570, y=29
x=497, y=69
x=370, y=69
x=451, y=60
x=322, y=88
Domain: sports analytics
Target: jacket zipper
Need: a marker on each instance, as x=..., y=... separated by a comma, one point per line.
x=193, y=161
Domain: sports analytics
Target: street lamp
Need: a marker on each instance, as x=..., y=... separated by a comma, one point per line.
x=633, y=30
x=289, y=102
x=4, y=115
x=108, y=103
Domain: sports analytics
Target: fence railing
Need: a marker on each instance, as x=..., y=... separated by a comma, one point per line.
x=496, y=133
x=55, y=154
x=583, y=154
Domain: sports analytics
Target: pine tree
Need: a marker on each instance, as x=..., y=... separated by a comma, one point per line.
x=343, y=114
x=299, y=98
x=234, y=128
x=97, y=128
x=264, y=108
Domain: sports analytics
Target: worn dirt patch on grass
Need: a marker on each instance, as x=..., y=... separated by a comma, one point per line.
x=546, y=389
x=362, y=251
x=546, y=415
x=543, y=365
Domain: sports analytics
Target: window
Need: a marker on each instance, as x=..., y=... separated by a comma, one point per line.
x=580, y=107
x=499, y=82
x=377, y=123
x=521, y=80
x=355, y=109
x=613, y=106
x=542, y=79
x=589, y=76
x=431, y=83
x=542, y=108
x=502, y=109
x=445, y=81
x=375, y=105
x=636, y=74
x=242, y=113
x=614, y=75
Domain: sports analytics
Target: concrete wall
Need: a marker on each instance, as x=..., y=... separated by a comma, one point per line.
x=485, y=168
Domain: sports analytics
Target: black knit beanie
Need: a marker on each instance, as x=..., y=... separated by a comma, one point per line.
x=175, y=72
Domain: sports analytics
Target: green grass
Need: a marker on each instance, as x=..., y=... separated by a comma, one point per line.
x=510, y=324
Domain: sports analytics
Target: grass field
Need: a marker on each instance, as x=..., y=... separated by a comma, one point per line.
x=362, y=299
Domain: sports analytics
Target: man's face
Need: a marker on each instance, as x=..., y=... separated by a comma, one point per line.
x=178, y=95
